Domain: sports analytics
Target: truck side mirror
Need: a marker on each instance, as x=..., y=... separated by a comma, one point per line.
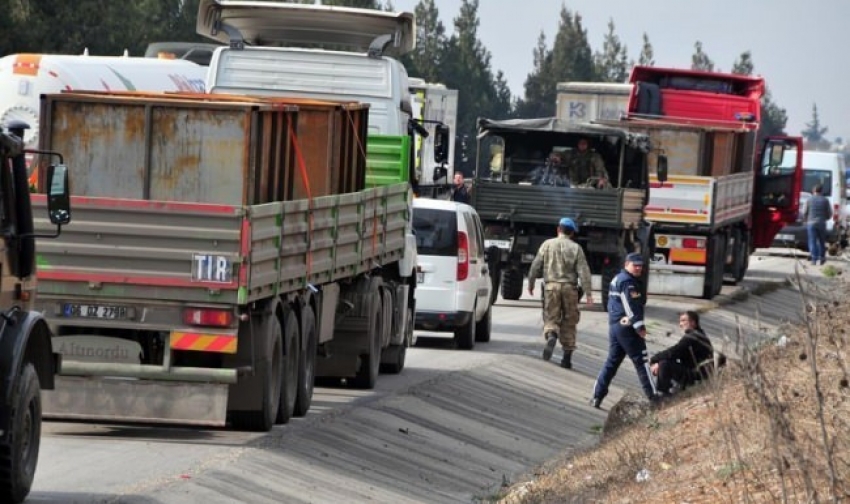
x=58, y=195
x=440, y=172
x=662, y=168
x=441, y=143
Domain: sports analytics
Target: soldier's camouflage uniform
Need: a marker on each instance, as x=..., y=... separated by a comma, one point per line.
x=586, y=165
x=561, y=263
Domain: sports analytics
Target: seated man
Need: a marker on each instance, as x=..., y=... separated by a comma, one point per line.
x=587, y=165
x=683, y=362
x=551, y=173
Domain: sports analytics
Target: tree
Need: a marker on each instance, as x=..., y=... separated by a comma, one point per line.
x=611, y=64
x=744, y=64
x=533, y=105
x=773, y=117
x=425, y=61
x=646, y=57
x=814, y=132
x=700, y=60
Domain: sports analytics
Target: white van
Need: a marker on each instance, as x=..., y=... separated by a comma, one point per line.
x=826, y=169
x=453, y=291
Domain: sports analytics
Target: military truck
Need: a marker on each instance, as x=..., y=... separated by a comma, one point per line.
x=519, y=212
x=27, y=360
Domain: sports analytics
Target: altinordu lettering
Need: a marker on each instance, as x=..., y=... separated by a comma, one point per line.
x=76, y=350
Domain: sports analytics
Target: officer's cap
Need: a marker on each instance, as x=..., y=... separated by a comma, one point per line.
x=635, y=258
x=568, y=223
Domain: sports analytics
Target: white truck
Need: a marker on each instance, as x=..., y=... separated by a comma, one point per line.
x=714, y=200
x=433, y=106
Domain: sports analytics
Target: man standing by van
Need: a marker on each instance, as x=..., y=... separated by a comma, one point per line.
x=816, y=211
x=561, y=263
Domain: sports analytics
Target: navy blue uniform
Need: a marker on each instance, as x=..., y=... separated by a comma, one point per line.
x=625, y=319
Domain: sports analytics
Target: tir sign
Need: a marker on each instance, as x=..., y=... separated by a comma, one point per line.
x=211, y=268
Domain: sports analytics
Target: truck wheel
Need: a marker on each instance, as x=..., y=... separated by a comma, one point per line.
x=367, y=374
x=393, y=357
x=742, y=256
x=307, y=363
x=483, y=327
x=19, y=454
x=511, y=284
x=465, y=334
x=270, y=374
x=291, y=364
x=608, y=274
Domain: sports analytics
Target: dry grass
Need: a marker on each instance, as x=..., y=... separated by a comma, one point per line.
x=773, y=427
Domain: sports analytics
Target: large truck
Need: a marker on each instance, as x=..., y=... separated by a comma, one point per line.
x=27, y=361
x=230, y=249
x=518, y=213
x=715, y=199
x=434, y=106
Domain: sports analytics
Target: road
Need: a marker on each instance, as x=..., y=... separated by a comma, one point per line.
x=452, y=427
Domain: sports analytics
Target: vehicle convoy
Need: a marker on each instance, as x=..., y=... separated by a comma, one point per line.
x=712, y=199
x=27, y=360
x=228, y=249
x=519, y=213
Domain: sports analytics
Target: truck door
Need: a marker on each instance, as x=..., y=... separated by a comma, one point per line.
x=779, y=174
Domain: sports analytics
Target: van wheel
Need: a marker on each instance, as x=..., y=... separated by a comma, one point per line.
x=483, y=327
x=19, y=453
x=307, y=363
x=511, y=284
x=465, y=334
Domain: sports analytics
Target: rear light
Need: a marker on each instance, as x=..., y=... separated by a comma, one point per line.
x=836, y=212
x=207, y=317
x=462, y=256
x=693, y=243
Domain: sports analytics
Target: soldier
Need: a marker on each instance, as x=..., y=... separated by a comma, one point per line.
x=561, y=263
x=626, y=330
x=586, y=164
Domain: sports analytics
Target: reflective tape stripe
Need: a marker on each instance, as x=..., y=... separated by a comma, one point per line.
x=202, y=342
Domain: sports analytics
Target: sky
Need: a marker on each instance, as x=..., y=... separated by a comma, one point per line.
x=802, y=49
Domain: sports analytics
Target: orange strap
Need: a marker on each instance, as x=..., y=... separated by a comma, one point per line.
x=305, y=179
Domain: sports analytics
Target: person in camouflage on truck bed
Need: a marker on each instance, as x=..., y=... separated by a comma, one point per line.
x=586, y=164
x=562, y=264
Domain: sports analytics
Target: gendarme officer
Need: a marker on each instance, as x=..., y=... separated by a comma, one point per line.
x=626, y=330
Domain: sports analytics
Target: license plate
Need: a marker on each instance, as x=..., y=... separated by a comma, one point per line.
x=502, y=244
x=420, y=277
x=785, y=237
x=94, y=311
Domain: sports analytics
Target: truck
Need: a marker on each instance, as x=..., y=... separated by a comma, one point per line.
x=434, y=106
x=717, y=197
x=519, y=214
x=27, y=360
x=230, y=249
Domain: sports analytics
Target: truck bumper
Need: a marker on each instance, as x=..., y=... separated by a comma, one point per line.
x=676, y=280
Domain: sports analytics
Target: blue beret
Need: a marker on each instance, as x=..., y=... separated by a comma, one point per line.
x=568, y=223
x=635, y=258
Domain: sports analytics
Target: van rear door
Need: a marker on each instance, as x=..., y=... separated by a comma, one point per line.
x=437, y=249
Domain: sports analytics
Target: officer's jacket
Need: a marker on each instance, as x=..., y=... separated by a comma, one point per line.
x=625, y=306
x=560, y=260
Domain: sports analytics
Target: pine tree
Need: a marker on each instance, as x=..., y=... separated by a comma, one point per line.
x=646, y=57
x=700, y=60
x=611, y=63
x=814, y=132
x=425, y=61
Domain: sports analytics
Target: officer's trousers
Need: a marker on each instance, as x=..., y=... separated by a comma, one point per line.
x=560, y=313
x=623, y=341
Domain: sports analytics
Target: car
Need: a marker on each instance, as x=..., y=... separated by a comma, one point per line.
x=453, y=281
x=826, y=169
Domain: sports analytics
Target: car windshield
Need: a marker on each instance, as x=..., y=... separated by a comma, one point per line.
x=436, y=231
x=813, y=177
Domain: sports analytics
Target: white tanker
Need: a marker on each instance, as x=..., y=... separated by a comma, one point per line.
x=25, y=77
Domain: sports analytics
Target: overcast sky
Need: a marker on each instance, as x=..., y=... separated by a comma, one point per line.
x=802, y=49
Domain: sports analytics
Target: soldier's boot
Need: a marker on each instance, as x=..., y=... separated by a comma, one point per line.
x=551, y=341
x=566, y=360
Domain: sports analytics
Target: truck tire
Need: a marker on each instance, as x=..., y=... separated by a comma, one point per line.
x=367, y=373
x=608, y=274
x=742, y=256
x=270, y=375
x=511, y=284
x=307, y=363
x=19, y=455
x=715, y=266
x=465, y=334
x=483, y=327
x=291, y=366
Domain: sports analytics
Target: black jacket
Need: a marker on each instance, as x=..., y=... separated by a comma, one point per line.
x=691, y=350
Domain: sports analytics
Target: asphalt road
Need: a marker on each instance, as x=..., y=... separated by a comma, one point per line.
x=453, y=427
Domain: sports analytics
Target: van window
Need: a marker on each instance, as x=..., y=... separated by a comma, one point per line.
x=811, y=178
x=436, y=231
